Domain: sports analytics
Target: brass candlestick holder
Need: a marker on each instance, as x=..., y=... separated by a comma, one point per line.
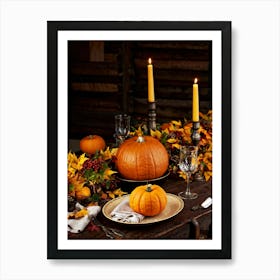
x=152, y=115
x=196, y=139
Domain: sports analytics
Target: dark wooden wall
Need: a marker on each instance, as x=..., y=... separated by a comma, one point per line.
x=106, y=78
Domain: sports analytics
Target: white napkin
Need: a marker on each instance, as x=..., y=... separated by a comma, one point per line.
x=206, y=203
x=78, y=225
x=123, y=213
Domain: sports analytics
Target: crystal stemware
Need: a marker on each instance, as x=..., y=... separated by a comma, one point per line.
x=122, y=128
x=188, y=163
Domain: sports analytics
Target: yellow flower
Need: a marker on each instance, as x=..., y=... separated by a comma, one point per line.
x=207, y=117
x=207, y=175
x=188, y=129
x=176, y=145
x=172, y=140
x=114, y=151
x=166, y=131
x=156, y=134
x=208, y=155
x=183, y=175
x=83, y=212
x=111, y=195
x=72, y=158
x=117, y=192
x=77, y=183
x=106, y=154
x=177, y=123
x=139, y=131
x=209, y=165
x=171, y=127
x=81, y=161
x=108, y=173
x=209, y=149
x=71, y=171
x=75, y=163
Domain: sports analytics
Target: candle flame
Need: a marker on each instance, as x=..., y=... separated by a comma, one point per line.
x=195, y=80
x=150, y=61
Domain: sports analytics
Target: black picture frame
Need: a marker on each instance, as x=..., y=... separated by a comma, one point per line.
x=53, y=252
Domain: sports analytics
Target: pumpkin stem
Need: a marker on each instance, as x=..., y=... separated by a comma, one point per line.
x=149, y=188
x=140, y=139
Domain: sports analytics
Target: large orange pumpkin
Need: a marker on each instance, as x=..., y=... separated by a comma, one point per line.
x=148, y=200
x=92, y=143
x=142, y=158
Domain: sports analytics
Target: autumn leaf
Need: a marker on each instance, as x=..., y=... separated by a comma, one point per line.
x=209, y=165
x=117, y=192
x=111, y=195
x=206, y=117
x=108, y=173
x=177, y=123
x=183, y=175
x=82, y=158
x=207, y=175
x=188, y=126
x=106, y=154
x=139, y=131
x=166, y=131
x=76, y=182
x=176, y=145
x=71, y=171
x=172, y=140
x=75, y=163
x=208, y=155
x=71, y=158
x=156, y=133
x=171, y=127
x=114, y=151
x=92, y=203
x=79, y=214
x=203, y=142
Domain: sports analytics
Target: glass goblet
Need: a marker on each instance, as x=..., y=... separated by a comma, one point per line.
x=122, y=128
x=188, y=165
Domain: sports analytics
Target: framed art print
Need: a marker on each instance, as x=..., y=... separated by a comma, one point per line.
x=124, y=99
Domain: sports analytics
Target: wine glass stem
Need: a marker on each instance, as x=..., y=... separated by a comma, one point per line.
x=188, y=189
x=119, y=140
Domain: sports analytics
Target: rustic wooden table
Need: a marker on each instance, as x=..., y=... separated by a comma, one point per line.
x=188, y=224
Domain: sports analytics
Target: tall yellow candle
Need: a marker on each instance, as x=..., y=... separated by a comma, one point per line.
x=195, y=105
x=151, y=92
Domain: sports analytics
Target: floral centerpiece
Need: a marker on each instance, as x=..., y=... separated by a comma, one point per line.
x=91, y=179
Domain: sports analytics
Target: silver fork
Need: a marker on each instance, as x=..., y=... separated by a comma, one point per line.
x=109, y=232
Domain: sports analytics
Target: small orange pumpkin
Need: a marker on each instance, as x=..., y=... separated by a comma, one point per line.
x=92, y=143
x=142, y=158
x=148, y=200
